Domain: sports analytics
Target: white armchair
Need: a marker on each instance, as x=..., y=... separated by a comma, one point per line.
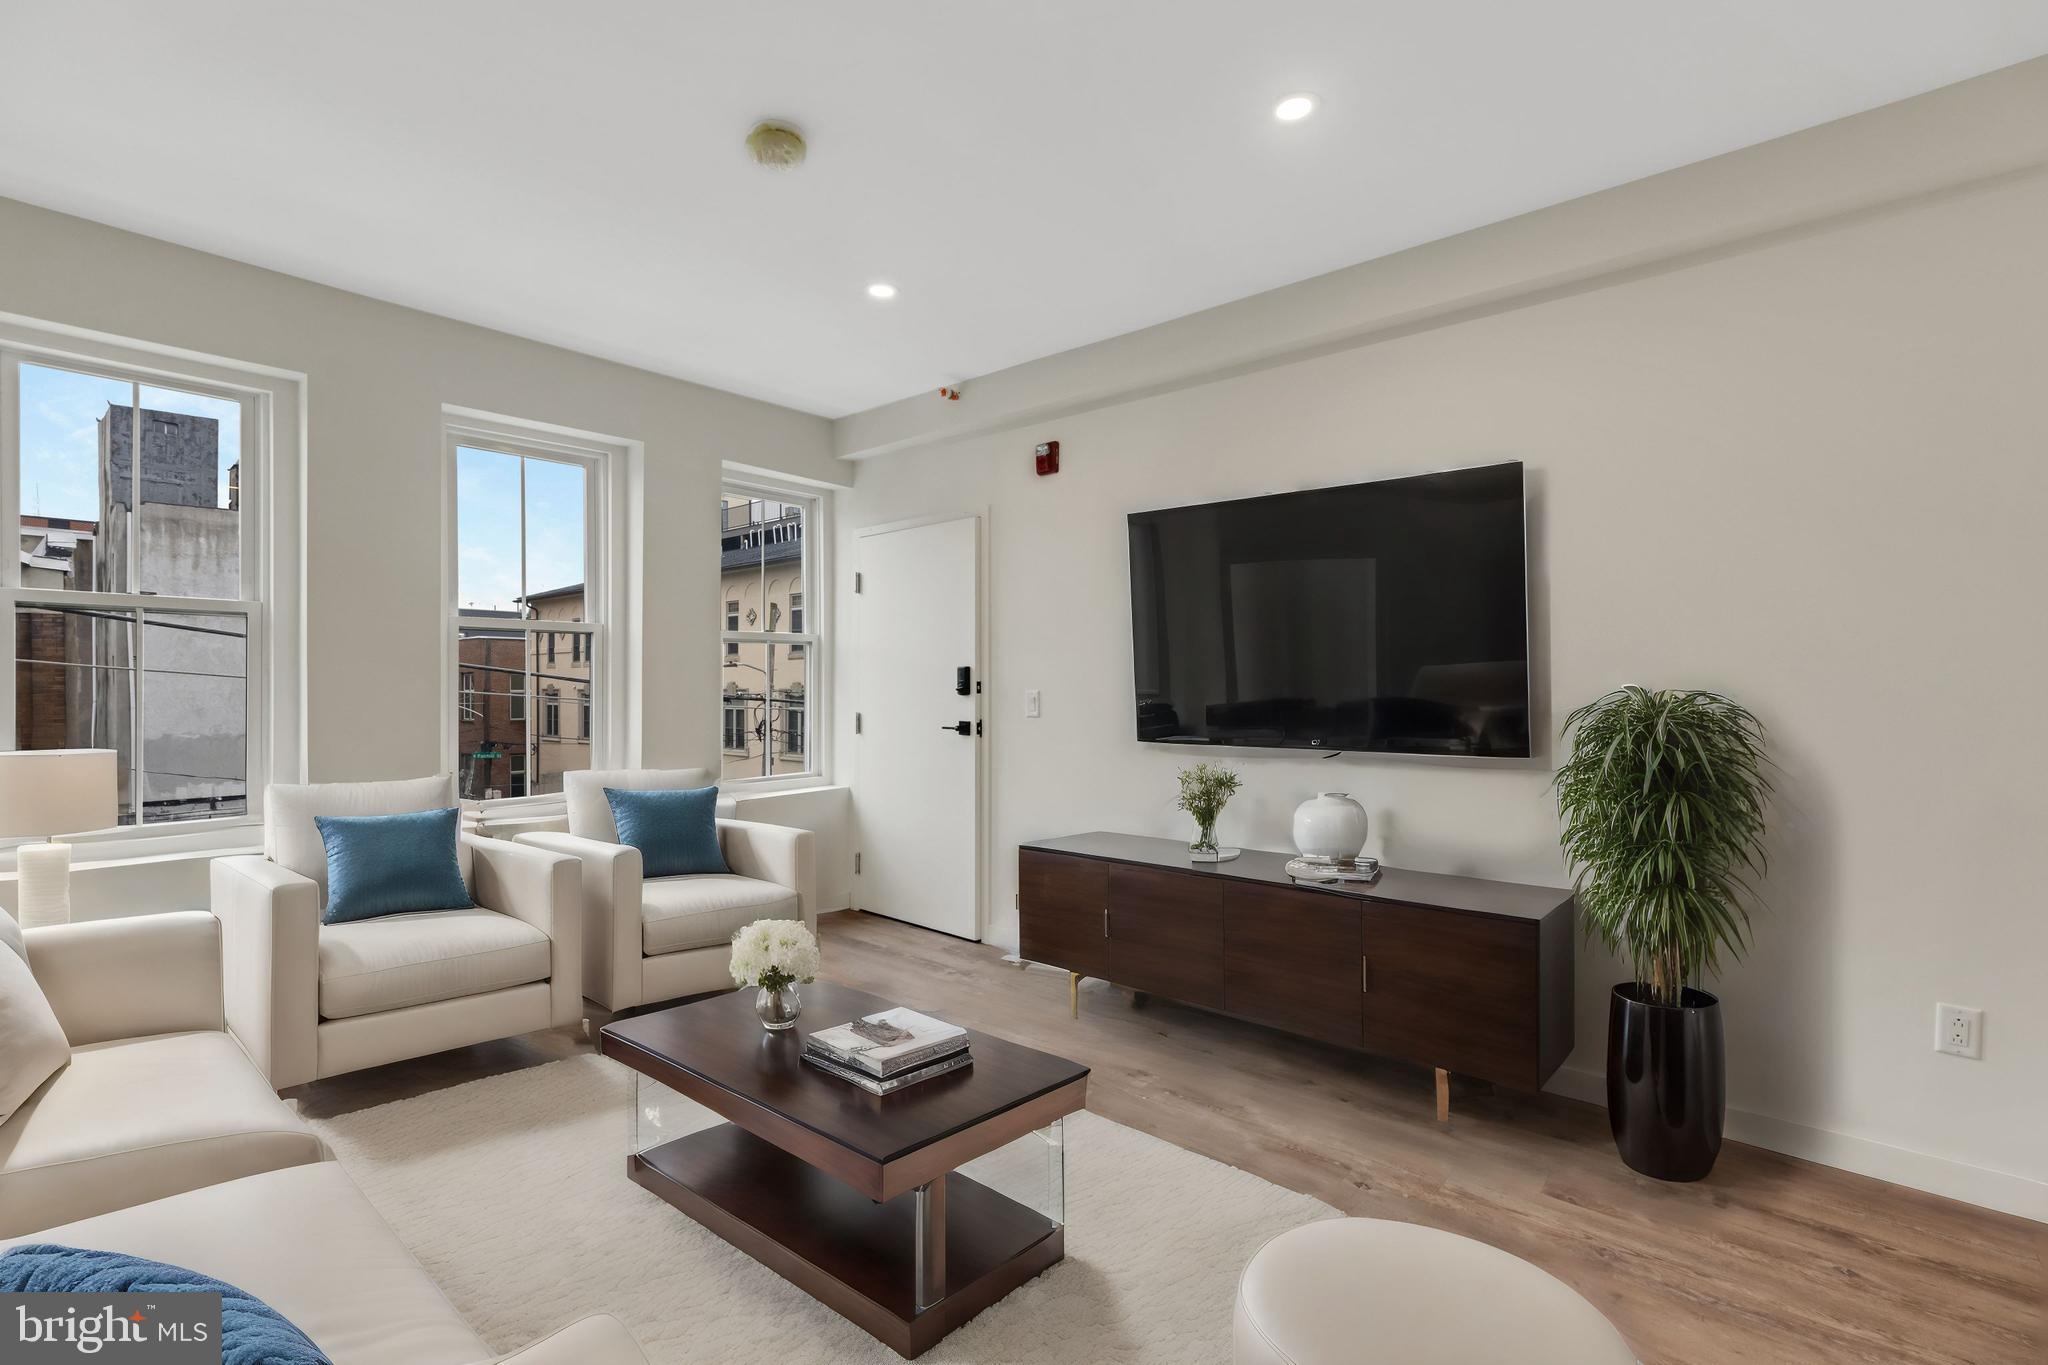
x=646, y=940
x=309, y=1000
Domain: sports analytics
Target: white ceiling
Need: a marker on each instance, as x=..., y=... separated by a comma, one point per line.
x=1033, y=176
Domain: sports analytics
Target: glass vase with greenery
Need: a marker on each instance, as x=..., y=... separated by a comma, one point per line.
x=1204, y=790
x=1662, y=802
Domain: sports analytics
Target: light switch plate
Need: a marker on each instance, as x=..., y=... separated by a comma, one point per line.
x=1031, y=704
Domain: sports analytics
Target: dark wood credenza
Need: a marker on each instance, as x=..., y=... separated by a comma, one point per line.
x=1466, y=976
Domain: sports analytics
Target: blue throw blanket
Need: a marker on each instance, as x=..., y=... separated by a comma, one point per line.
x=252, y=1332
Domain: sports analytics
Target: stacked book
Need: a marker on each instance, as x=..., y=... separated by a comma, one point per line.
x=1333, y=871
x=883, y=1053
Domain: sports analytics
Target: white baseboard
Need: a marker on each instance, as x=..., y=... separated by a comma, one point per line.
x=2000, y=1190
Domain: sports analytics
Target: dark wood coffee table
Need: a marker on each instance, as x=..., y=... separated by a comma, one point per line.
x=854, y=1198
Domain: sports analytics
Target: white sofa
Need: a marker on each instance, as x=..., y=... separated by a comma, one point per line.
x=161, y=1139
x=306, y=1242
x=646, y=940
x=310, y=1000
x=157, y=1098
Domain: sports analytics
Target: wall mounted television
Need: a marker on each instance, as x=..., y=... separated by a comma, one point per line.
x=1386, y=617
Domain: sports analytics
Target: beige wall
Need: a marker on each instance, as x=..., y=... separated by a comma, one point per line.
x=377, y=377
x=1807, y=467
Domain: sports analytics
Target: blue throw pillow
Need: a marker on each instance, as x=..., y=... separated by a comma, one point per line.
x=675, y=831
x=391, y=864
x=251, y=1331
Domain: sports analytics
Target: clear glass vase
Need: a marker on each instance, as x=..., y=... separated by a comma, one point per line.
x=778, y=1008
x=1205, y=838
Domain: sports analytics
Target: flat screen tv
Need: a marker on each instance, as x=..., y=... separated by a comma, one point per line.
x=1386, y=617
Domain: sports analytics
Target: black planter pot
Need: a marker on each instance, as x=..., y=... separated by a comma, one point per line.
x=1666, y=1081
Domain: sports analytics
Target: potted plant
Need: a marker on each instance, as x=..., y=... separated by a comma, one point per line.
x=1662, y=801
x=1204, y=790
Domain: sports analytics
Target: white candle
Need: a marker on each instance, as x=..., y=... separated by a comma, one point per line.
x=43, y=880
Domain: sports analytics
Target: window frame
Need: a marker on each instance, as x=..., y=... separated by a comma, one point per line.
x=607, y=463
x=815, y=506
x=267, y=484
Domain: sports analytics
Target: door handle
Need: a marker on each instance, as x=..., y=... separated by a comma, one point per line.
x=965, y=727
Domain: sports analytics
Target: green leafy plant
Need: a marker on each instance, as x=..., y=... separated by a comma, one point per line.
x=1204, y=790
x=1663, y=802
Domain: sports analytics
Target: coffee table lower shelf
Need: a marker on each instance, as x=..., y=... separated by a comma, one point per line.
x=855, y=1256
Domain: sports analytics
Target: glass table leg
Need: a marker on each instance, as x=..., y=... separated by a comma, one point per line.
x=930, y=1257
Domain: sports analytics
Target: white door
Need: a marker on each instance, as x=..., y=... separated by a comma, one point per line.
x=917, y=792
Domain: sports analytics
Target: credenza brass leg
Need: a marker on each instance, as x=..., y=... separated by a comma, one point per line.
x=1443, y=1095
x=1074, y=993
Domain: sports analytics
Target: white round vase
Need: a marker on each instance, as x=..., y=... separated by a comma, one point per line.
x=1329, y=825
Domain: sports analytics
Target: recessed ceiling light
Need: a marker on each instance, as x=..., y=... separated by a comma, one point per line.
x=881, y=289
x=1294, y=108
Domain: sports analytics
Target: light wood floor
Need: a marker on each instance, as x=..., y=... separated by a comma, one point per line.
x=1769, y=1259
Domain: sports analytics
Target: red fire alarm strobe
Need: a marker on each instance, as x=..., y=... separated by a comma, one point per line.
x=1048, y=456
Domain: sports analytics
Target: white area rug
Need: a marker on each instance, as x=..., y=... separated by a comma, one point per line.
x=512, y=1192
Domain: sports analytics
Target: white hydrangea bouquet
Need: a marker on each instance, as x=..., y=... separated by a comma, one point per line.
x=775, y=955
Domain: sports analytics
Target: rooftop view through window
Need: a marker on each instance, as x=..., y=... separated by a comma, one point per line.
x=132, y=491
x=525, y=705
x=765, y=703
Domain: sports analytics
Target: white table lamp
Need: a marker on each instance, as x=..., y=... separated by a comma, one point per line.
x=53, y=791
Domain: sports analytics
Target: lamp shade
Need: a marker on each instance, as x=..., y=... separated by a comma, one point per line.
x=57, y=791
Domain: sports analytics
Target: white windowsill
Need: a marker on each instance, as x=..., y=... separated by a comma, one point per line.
x=518, y=805
x=198, y=838
x=201, y=840
x=87, y=865
x=740, y=788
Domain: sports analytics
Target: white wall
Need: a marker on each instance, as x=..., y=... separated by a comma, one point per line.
x=1807, y=468
x=377, y=376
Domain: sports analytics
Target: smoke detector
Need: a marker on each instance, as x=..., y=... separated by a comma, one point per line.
x=777, y=145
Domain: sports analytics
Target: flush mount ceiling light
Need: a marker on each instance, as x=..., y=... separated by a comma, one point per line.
x=881, y=289
x=776, y=144
x=1294, y=108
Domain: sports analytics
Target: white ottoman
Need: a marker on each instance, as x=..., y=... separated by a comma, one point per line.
x=1363, y=1291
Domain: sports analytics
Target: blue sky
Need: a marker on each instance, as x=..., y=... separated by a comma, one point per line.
x=487, y=530
x=60, y=412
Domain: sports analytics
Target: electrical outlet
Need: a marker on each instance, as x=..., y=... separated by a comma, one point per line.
x=1959, y=1030
x=1031, y=704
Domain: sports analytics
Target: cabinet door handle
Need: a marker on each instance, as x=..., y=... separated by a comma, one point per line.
x=1105, y=921
x=1365, y=974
